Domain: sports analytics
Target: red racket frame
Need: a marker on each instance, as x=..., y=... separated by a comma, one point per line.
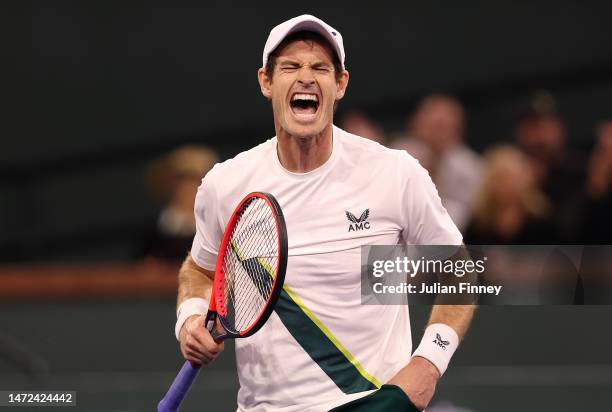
x=217, y=295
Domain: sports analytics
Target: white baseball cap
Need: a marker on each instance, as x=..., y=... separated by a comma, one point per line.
x=304, y=22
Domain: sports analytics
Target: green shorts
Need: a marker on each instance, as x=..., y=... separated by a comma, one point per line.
x=389, y=398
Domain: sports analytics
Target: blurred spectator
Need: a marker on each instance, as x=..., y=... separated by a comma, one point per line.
x=541, y=133
x=359, y=123
x=510, y=208
x=439, y=122
x=174, y=180
x=597, y=223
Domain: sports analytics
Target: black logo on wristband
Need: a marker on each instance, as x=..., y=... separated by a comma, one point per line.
x=441, y=343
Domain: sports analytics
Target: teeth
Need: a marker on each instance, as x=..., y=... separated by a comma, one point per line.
x=298, y=96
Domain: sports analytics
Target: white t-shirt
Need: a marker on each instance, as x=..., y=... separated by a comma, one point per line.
x=321, y=347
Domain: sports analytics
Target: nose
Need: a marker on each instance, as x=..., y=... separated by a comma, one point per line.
x=305, y=76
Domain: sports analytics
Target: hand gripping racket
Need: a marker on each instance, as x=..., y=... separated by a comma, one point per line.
x=249, y=276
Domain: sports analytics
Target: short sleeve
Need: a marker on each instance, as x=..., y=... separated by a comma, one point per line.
x=424, y=220
x=208, y=229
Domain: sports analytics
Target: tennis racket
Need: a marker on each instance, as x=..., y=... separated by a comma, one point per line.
x=249, y=276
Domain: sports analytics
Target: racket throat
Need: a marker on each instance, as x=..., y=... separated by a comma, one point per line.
x=209, y=322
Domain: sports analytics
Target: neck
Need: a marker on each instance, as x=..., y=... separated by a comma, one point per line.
x=303, y=154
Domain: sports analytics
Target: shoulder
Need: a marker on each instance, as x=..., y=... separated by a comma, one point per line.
x=397, y=164
x=361, y=148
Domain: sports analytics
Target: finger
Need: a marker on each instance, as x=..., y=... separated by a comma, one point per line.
x=193, y=345
x=195, y=364
x=198, y=329
x=213, y=347
x=204, y=338
x=199, y=357
x=196, y=361
x=189, y=326
x=202, y=353
x=197, y=350
x=200, y=335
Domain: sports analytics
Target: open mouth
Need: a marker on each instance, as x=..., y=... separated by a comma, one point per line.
x=304, y=104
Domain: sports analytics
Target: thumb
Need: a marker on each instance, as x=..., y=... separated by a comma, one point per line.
x=194, y=322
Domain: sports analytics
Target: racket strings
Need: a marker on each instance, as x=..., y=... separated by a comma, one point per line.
x=251, y=262
x=250, y=272
x=245, y=251
x=260, y=228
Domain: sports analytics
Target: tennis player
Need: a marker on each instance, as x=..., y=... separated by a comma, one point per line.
x=321, y=348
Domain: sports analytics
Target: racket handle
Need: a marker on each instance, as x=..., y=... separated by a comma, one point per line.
x=179, y=388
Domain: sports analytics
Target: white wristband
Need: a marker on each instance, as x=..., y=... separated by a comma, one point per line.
x=190, y=307
x=438, y=345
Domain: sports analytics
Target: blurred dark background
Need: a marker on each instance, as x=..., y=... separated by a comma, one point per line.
x=113, y=87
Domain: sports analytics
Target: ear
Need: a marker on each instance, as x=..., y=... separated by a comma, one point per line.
x=341, y=84
x=264, y=83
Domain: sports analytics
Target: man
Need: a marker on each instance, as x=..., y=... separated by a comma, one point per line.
x=321, y=348
x=439, y=122
x=541, y=133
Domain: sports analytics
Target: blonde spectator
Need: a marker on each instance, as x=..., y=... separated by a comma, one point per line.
x=510, y=208
x=174, y=180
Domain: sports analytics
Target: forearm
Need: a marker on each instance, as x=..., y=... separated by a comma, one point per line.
x=455, y=311
x=457, y=317
x=194, y=282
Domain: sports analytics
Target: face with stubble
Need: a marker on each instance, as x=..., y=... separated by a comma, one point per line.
x=303, y=88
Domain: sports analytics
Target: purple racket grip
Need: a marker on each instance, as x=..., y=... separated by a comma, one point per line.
x=179, y=388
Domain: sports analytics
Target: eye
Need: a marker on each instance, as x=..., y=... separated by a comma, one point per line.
x=288, y=67
x=321, y=69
